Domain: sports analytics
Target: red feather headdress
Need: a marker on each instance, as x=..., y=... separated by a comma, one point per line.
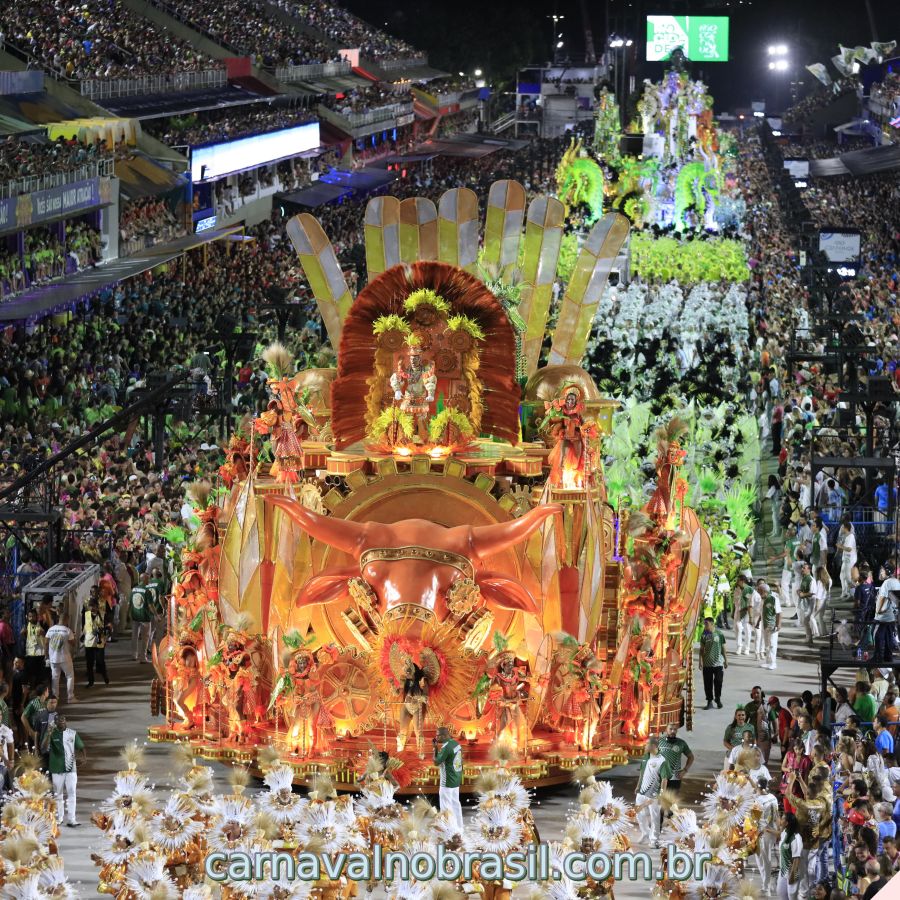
x=384, y=296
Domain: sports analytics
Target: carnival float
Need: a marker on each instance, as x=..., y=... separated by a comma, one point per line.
x=680, y=179
x=424, y=537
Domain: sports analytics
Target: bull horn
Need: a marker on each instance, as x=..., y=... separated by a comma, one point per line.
x=338, y=533
x=489, y=540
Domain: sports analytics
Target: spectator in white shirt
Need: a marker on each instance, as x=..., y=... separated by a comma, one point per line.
x=58, y=643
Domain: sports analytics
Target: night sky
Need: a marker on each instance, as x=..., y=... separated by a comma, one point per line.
x=501, y=35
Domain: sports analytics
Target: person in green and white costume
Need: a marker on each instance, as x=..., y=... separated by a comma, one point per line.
x=791, y=543
x=746, y=610
x=448, y=759
x=771, y=623
x=652, y=780
x=790, y=858
x=806, y=600
x=141, y=619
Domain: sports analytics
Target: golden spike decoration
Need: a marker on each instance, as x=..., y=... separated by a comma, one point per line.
x=323, y=272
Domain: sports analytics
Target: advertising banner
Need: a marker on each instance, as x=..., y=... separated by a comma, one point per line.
x=701, y=38
x=41, y=206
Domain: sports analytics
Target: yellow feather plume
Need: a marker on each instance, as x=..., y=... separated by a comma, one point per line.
x=668, y=800
x=19, y=850
x=238, y=778
x=279, y=359
x=267, y=758
x=133, y=755
x=584, y=773
x=487, y=781
x=199, y=493
x=321, y=787
x=501, y=753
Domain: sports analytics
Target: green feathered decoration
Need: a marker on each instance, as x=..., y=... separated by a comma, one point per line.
x=282, y=686
x=501, y=642
x=481, y=687
x=175, y=534
x=426, y=296
x=445, y=417
x=196, y=622
x=216, y=659
x=464, y=323
x=387, y=418
x=390, y=323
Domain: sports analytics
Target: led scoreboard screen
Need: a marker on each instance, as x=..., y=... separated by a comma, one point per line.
x=701, y=38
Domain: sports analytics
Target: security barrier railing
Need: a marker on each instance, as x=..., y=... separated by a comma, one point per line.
x=312, y=70
x=108, y=88
x=408, y=62
x=34, y=183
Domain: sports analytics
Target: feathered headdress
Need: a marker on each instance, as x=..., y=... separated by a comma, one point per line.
x=148, y=879
x=728, y=804
x=495, y=829
x=174, y=827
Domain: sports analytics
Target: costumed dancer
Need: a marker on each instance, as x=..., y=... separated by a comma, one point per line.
x=747, y=603
x=497, y=827
x=231, y=679
x=379, y=817
x=415, y=683
x=508, y=692
x=597, y=796
x=297, y=694
x=768, y=833
x=571, y=433
x=652, y=780
x=771, y=624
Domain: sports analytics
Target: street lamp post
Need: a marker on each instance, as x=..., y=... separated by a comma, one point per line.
x=555, y=43
x=616, y=44
x=778, y=64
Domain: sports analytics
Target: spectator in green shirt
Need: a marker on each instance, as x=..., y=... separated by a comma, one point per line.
x=157, y=587
x=864, y=704
x=35, y=705
x=734, y=733
x=448, y=759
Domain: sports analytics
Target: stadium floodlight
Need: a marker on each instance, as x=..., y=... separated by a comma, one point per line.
x=617, y=42
x=771, y=66
x=559, y=44
x=781, y=65
x=778, y=49
x=478, y=73
x=629, y=42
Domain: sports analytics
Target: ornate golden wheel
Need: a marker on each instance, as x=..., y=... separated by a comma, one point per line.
x=348, y=695
x=470, y=717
